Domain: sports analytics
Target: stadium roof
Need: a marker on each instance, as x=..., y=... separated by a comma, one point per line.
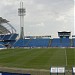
x=6, y=27
x=3, y=20
x=3, y=30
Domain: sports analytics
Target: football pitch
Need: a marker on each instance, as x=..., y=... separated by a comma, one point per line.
x=38, y=58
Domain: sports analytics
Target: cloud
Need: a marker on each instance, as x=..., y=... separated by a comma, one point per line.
x=40, y=24
x=47, y=16
x=60, y=18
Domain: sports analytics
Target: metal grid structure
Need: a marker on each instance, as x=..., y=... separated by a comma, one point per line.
x=6, y=27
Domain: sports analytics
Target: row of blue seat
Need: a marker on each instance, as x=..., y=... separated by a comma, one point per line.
x=32, y=43
x=64, y=42
x=43, y=43
x=21, y=43
x=73, y=42
x=56, y=42
x=1, y=44
x=8, y=37
x=38, y=43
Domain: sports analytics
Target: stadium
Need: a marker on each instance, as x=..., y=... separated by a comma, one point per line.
x=35, y=55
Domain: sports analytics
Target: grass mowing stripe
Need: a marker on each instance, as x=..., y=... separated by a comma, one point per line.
x=23, y=58
x=58, y=59
x=11, y=53
x=74, y=56
x=41, y=58
x=70, y=57
x=65, y=57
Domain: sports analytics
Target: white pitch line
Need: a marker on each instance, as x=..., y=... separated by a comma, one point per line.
x=66, y=57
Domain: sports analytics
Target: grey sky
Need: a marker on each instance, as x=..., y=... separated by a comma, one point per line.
x=43, y=17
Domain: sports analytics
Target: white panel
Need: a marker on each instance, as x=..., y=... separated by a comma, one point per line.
x=53, y=70
x=73, y=69
x=61, y=69
x=0, y=73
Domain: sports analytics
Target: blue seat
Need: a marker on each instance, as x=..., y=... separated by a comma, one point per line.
x=1, y=45
x=13, y=36
x=32, y=43
x=66, y=42
x=6, y=37
x=56, y=42
x=21, y=43
x=73, y=42
x=60, y=42
x=38, y=43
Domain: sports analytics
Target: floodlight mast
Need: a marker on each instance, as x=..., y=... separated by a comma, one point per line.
x=21, y=13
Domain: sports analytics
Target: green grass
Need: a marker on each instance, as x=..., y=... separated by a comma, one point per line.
x=37, y=58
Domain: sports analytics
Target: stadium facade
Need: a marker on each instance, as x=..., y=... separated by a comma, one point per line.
x=8, y=39
x=7, y=34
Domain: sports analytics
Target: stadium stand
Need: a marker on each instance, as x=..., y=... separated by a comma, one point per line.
x=39, y=43
x=1, y=36
x=32, y=43
x=7, y=33
x=21, y=43
x=8, y=37
x=73, y=42
x=56, y=42
x=1, y=45
x=65, y=42
x=61, y=42
x=13, y=36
